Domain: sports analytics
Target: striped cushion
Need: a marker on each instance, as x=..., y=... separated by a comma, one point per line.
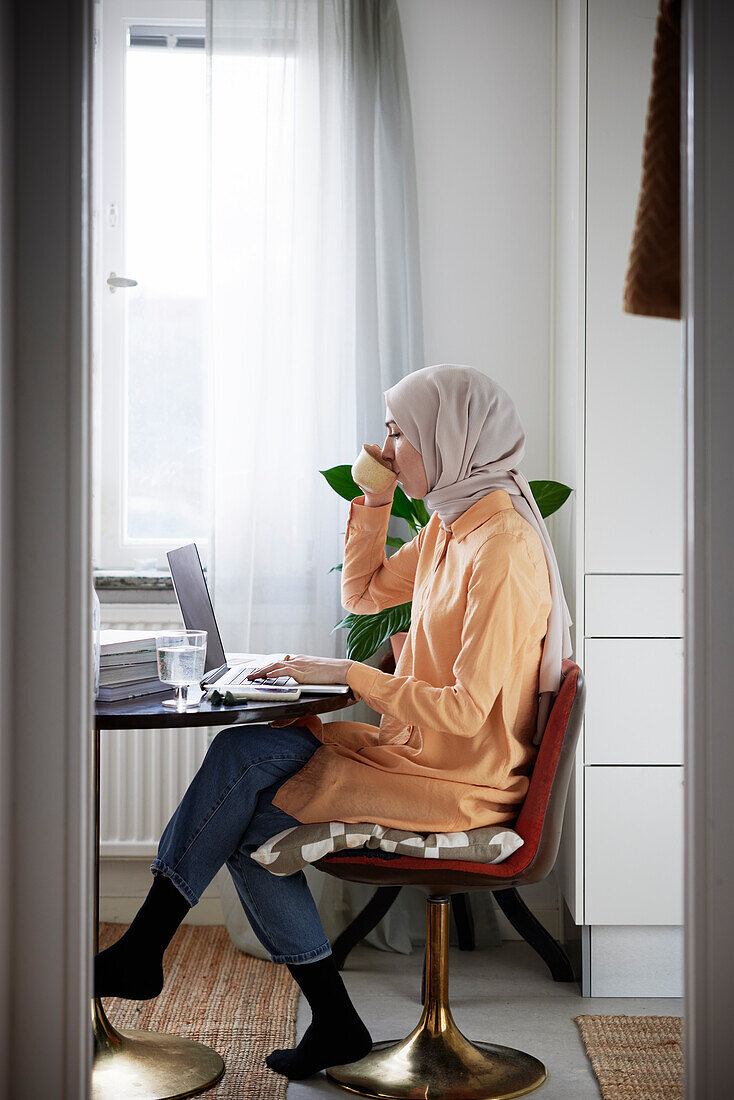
x=294, y=848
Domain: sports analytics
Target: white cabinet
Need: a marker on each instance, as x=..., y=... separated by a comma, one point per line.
x=619, y=443
x=634, y=709
x=634, y=376
x=633, y=607
x=634, y=845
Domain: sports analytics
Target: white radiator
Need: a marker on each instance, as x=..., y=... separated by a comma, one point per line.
x=143, y=773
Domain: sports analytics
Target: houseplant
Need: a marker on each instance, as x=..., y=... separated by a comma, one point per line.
x=368, y=633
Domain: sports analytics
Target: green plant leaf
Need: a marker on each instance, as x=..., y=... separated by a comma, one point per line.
x=402, y=507
x=549, y=496
x=367, y=633
x=366, y=638
x=338, y=567
x=421, y=512
x=341, y=481
x=394, y=542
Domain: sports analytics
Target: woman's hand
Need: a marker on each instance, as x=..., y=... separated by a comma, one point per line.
x=306, y=670
x=377, y=500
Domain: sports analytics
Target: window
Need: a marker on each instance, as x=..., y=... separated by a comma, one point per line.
x=152, y=409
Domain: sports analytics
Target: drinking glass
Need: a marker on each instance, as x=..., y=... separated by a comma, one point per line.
x=181, y=655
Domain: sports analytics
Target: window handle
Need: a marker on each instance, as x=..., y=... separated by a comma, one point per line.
x=115, y=282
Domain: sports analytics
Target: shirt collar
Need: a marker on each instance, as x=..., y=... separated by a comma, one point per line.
x=479, y=513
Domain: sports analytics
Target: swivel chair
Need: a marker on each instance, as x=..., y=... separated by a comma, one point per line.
x=436, y=1061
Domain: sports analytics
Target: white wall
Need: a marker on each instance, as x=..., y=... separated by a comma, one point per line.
x=480, y=75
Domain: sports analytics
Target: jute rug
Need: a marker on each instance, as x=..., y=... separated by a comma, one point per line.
x=635, y=1057
x=241, y=1006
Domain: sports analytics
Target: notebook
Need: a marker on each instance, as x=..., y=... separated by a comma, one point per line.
x=192, y=593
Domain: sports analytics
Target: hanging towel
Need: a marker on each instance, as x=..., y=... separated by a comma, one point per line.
x=652, y=286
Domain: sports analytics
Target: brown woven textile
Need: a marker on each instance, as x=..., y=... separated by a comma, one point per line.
x=652, y=286
x=241, y=1006
x=635, y=1057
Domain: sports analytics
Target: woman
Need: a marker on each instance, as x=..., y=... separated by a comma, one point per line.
x=455, y=745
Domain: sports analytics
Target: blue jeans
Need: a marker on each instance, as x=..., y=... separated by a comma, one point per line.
x=227, y=813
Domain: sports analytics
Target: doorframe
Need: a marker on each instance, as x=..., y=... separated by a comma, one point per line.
x=44, y=751
x=46, y=561
x=708, y=291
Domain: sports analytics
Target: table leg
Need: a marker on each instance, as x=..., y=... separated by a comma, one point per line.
x=142, y=1064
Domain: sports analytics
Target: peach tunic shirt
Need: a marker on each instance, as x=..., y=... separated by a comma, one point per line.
x=454, y=746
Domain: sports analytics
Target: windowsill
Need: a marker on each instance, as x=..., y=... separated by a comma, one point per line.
x=125, y=580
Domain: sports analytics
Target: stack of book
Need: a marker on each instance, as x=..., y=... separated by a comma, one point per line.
x=127, y=666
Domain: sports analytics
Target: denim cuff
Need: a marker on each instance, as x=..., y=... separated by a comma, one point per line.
x=183, y=887
x=306, y=957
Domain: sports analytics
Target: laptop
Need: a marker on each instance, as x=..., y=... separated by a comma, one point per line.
x=189, y=584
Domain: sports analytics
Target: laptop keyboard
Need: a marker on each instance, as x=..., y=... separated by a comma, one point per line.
x=241, y=677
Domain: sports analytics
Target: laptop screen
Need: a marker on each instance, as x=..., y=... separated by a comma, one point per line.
x=193, y=598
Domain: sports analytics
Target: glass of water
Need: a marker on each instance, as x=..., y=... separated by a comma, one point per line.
x=181, y=655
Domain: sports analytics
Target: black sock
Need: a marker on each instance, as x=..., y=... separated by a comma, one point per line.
x=336, y=1034
x=133, y=966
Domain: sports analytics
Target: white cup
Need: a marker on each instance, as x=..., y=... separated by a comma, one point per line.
x=371, y=472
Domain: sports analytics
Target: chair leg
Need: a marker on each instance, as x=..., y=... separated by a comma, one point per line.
x=436, y=1060
x=461, y=908
x=363, y=923
x=533, y=932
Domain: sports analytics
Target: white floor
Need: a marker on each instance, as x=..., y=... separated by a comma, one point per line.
x=501, y=995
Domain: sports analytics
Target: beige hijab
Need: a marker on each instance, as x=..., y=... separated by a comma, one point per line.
x=470, y=438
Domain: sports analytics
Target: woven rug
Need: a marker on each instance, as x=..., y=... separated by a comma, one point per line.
x=241, y=1006
x=635, y=1057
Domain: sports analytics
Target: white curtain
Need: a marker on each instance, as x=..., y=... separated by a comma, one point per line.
x=315, y=294
x=315, y=311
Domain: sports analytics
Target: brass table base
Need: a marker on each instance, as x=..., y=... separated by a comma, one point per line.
x=437, y=1062
x=147, y=1065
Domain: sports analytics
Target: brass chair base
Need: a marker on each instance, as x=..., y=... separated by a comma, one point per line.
x=147, y=1065
x=423, y=1067
x=437, y=1062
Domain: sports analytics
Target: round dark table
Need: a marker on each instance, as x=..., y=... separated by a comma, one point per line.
x=143, y=1064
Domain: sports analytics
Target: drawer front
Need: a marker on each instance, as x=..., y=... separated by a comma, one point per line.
x=633, y=860
x=634, y=606
x=634, y=707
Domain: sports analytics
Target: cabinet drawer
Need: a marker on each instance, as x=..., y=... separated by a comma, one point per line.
x=633, y=862
x=633, y=605
x=634, y=708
